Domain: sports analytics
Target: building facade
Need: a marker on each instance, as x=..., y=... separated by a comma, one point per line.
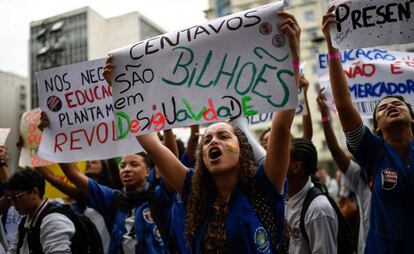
x=81, y=35
x=14, y=101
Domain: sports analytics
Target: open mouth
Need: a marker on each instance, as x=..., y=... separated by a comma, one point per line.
x=392, y=112
x=126, y=178
x=214, y=153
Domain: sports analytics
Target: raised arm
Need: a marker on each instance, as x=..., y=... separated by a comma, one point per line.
x=348, y=115
x=172, y=170
x=192, y=143
x=278, y=151
x=170, y=142
x=71, y=170
x=65, y=188
x=80, y=180
x=337, y=153
x=306, y=119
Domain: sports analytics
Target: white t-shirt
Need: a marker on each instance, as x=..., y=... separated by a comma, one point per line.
x=332, y=186
x=363, y=195
x=128, y=239
x=321, y=224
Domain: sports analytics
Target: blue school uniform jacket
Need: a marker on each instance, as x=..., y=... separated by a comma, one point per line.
x=392, y=205
x=245, y=233
x=147, y=234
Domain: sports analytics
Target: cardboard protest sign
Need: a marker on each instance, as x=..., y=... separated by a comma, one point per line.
x=367, y=23
x=32, y=136
x=372, y=74
x=231, y=66
x=78, y=103
x=4, y=132
x=50, y=191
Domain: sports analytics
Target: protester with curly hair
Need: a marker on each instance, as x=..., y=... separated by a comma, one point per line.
x=232, y=203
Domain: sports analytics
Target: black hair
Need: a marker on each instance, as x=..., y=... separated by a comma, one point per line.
x=25, y=180
x=303, y=150
x=147, y=159
x=398, y=97
x=104, y=176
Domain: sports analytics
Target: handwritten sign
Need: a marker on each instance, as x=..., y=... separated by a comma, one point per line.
x=4, y=132
x=367, y=23
x=31, y=140
x=232, y=66
x=50, y=191
x=372, y=74
x=78, y=103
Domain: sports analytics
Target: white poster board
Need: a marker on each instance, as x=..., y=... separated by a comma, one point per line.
x=231, y=66
x=4, y=132
x=31, y=135
x=78, y=103
x=367, y=23
x=371, y=74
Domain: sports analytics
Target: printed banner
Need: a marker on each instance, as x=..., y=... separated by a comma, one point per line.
x=301, y=110
x=367, y=23
x=78, y=103
x=31, y=140
x=231, y=66
x=372, y=74
x=4, y=132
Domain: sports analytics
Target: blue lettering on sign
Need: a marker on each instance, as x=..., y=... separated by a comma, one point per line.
x=260, y=118
x=358, y=54
x=381, y=89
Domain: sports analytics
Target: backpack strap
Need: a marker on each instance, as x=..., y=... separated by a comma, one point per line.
x=32, y=234
x=22, y=233
x=310, y=196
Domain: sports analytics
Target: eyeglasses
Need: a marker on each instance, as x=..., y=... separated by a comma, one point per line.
x=17, y=197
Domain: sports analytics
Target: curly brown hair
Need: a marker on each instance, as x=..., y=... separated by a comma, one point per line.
x=203, y=183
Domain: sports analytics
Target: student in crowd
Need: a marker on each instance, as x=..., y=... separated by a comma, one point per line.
x=231, y=204
x=350, y=169
x=330, y=183
x=81, y=204
x=52, y=232
x=320, y=221
x=127, y=213
x=385, y=156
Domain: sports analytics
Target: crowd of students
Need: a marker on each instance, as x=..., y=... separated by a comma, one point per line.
x=224, y=194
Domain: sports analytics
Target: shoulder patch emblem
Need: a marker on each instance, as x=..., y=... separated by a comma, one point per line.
x=146, y=214
x=389, y=178
x=261, y=239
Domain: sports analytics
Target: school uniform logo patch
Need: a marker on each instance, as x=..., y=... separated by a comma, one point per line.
x=389, y=178
x=157, y=235
x=261, y=239
x=296, y=235
x=146, y=214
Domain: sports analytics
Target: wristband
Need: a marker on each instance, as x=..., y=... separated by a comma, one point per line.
x=334, y=56
x=326, y=119
x=296, y=65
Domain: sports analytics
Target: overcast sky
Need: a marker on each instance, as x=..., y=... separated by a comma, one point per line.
x=16, y=15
